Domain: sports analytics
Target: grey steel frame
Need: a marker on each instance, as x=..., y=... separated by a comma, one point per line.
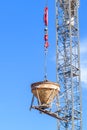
x=68, y=64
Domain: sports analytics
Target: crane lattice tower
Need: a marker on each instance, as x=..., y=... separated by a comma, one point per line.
x=68, y=64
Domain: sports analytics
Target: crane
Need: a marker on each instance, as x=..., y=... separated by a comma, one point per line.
x=63, y=100
x=68, y=63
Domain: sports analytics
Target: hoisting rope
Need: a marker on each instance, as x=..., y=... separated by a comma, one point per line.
x=45, y=64
x=45, y=38
x=46, y=3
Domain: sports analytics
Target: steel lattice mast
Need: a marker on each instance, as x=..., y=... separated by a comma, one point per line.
x=68, y=64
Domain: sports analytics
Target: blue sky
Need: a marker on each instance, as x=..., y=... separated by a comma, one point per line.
x=22, y=61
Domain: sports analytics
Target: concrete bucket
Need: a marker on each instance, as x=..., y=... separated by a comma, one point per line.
x=45, y=92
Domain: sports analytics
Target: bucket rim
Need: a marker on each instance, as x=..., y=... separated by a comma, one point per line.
x=36, y=85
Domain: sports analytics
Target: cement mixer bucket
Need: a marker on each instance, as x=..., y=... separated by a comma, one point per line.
x=45, y=92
